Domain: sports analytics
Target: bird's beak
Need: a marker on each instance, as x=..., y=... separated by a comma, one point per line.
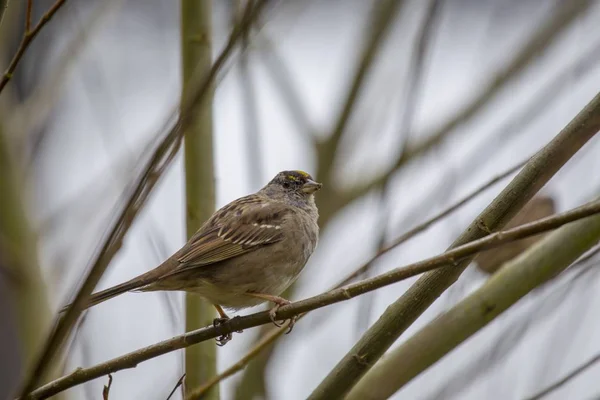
x=311, y=186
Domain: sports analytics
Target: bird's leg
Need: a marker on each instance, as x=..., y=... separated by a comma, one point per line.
x=279, y=302
x=223, y=317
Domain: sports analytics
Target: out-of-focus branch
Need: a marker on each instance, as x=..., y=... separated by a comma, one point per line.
x=404, y=311
x=3, y=7
x=251, y=126
x=28, y=10
x=543, y=261
x=18, y=254
x=540, y=41
x=449, y=259
x=383, y=14
x=196, y=54
x=573, y=374
x=240, y=364
x=282, y=77
x=28, y=37
x=137, y=196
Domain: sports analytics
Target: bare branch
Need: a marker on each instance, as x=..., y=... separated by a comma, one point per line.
x=178, y=384
x=28, y=37
x=28, y=16
x=448, y=259
x=3, y=8
x=566, y=379
x=106, y=388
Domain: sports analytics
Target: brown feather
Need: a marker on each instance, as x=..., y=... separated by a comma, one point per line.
x=232, y=231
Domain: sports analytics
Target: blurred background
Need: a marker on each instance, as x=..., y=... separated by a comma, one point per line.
x=451, y=94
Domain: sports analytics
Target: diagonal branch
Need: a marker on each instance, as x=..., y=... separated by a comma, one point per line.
x=159, y=161
x=28, y=37
x=448, y=259
x=566, y=379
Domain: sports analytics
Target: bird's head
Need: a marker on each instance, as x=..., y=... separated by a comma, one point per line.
x=292, y=185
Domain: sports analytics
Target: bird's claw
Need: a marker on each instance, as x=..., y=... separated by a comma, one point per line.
x=223, y=339
x=273, y=314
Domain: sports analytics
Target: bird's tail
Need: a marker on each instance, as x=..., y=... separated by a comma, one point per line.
x=103, y=295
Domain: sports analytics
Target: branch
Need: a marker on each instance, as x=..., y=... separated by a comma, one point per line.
x=106, y=388
x=404, y=311
x=266, y=340
x=3, y=8
x=28, y=16
x=179, y=383
x=537, y=265
x=28, y=37
x=196, y=54
x=566, y=379
x=159, y=161
x=447, y=259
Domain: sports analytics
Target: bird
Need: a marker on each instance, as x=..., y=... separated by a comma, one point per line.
x=247, y=253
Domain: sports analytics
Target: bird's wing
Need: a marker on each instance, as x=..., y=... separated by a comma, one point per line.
x=236, y=229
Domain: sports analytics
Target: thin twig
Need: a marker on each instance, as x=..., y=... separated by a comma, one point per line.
x=106, y=388
x=28, y=37
x=3, y=8
x=178, y=384
x=447, y=259
x=565, y=379
x=160, y=160
x=28, y=16
x=240, y=364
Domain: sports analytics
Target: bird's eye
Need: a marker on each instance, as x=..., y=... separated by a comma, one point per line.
x=286, y=185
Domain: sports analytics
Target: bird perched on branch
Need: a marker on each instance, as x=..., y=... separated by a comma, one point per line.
x=246, y=253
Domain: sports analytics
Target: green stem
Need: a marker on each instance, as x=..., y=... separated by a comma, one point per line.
x=196, y=52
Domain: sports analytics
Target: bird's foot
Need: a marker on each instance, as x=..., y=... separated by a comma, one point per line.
x=223, y=339
x=279, y=302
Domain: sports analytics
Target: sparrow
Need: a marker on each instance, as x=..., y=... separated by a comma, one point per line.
x=247, y=253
